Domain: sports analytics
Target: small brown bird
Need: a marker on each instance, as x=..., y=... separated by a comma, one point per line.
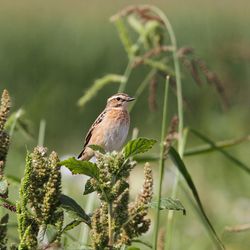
x=110, y=129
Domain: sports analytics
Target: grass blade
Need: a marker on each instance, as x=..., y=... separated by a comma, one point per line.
x=41, y=134
x=183, y=170
x=98, y=85
x=198, y=212
x=206, y=148
x=221, y=150
x=161, y=164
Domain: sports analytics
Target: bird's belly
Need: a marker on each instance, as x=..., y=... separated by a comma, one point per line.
x=115, y=137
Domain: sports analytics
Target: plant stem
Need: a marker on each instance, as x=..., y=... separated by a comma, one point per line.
x=41, y=134
x=169, y=231
x=179, y=107
x=110, y=221
x=206, y=148
x=161, y=164
x=170, y=30
x=142, y=87
x=126, y=76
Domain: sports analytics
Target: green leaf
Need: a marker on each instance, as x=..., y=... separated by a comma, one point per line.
x=230, y=157
x=98, y=85
x=146, y=158
x=206, y=148
x=137, y=146
x=71, y=225
x=74, y=209
x=88, y=187
x=16, y=121
x=3, y=186
x=11, y=203
x=81, y=167
x=170, y=204
x=143, y=242
x=13, y=180
x=97, y=148
x=182, y=168
x=4, y=220
x=133, y=248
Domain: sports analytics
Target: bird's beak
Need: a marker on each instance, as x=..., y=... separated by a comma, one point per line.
x=130, y=99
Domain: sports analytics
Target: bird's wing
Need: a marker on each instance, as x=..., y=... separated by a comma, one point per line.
x=89, y=134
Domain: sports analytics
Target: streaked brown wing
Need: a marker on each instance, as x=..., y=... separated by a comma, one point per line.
x=89, y=134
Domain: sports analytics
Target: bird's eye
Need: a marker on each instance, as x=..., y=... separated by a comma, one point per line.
x=118, y=98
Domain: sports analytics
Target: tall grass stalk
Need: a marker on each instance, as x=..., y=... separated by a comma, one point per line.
x=126, y=75
x=161, y=164
x=142, y=86
x=170, y=31
x=41, y=134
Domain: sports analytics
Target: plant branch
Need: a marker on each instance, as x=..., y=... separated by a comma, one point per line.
x=161, y=164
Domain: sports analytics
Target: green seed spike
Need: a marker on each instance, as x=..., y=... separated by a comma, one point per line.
x=4, y=109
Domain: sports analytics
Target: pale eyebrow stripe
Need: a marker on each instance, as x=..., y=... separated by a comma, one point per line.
x=114, y=97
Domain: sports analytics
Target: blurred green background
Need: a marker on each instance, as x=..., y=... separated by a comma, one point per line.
x=52, y=51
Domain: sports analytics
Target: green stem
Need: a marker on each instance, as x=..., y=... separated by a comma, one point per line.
x=142, y=86
x=161, y=164
x=170, y=30
x=206, y=148
x=179, y=103
x=41, y=134
x=170, y=222
x=126, y=75
x=110, y=221
x=147, y=244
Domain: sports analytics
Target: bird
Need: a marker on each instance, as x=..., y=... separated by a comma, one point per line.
x=110, y=129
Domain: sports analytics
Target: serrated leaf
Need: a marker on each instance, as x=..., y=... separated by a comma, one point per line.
x=71, y=225
x=169, y=204
x=3, y=186
x=88, y=187
x=81, y=167
x=137, y=146
x=97, y=148
x=183, y=170
x=74, y=209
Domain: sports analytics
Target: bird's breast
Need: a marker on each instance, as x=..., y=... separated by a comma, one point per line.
x=117, y=130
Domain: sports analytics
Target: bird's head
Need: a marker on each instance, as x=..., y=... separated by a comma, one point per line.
x=119, y=100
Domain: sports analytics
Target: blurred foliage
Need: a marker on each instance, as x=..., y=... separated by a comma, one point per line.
x=51, y=53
